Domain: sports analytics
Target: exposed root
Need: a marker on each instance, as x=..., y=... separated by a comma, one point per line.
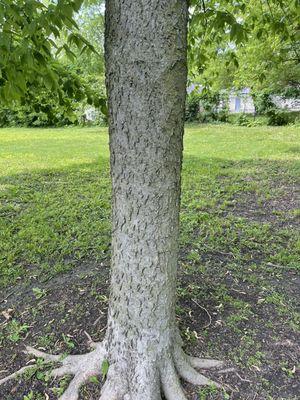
x=113, y=388
x=170, y=383
x=173, y=366
x=82, y=367
x=186, y=370
x=183, y=366
x=15, y=374
x=41, y=354
x=204, y=363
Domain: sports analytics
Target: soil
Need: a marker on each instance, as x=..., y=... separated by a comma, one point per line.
x=59, y=312
x=64, y=308
x=277, y=210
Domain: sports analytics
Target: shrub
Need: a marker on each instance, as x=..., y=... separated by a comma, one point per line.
x=206, y=107
x=243, y=120
x=277, y=117
x=192, y=107
x=263, y=102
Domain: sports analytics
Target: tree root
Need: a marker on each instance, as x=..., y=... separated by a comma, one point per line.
x=82, y=367
x=21, y=371
x=171, y=368
x=185, y=368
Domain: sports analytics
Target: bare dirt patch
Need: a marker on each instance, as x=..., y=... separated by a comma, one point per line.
x=281, y=209
x=263, y=350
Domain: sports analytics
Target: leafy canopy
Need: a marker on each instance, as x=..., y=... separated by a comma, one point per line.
x=37, y=35
x=253, y=43
x=29, y=33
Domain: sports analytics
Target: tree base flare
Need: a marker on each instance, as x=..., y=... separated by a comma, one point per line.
x=171, y=368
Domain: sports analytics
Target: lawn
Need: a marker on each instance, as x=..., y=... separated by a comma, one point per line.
x=239, y=254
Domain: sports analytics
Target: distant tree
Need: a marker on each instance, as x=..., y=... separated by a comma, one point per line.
x=254, y=44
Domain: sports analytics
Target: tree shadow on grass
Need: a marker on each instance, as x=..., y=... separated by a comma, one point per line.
x=55, y=220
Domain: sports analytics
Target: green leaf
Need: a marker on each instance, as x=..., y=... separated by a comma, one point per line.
x=104, y=368
x=94, y=379
x=67, y=10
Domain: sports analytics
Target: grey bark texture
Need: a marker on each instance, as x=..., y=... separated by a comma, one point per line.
x=146, y=84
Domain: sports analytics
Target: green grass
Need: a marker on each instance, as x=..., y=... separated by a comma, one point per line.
x=55, y=199
x=239, y=243
x=55, y=194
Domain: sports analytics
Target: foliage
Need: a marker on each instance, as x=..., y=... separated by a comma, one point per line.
x=40, y=106
x=277, y=117
x=264, y=105
x=206, y=106
x=263, y=102
x=274, y=117
x=243, y=120
x=245, y=44
x=27, y=30
x=192, y=106
x=213, y=106
x=90, y=20
x=242, y=44
x=33, y=36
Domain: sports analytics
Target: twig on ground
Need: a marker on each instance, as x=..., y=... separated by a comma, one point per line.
x=218, y=251
x=101, y=330
x=208, y=314
x=242, y=379
x=91, y=342
x=97, y=320
x=5, y=298
x=238, y=291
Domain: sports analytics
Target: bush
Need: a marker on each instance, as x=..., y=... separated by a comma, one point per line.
x=243, y=120
x=263, y=102
x=192, y=107
x=206, y=107
x=213, y=107
x=277, y=117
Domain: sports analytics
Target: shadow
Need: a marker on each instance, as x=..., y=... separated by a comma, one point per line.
x=235, y=268
x=52, y=220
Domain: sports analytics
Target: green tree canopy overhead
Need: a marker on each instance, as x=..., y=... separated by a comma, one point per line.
x=229, y=41
x=29, y=33
x=254, y=43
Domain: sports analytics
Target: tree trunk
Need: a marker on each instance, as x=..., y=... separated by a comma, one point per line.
x=146, y=84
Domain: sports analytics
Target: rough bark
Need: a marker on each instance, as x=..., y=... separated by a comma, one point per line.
x=146, y=85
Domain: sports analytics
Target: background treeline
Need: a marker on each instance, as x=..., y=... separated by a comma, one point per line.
x=213, y=107
x=232, y=46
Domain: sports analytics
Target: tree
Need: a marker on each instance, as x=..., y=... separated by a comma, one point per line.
x=146, y=74
x=146, y=70
x=245, y=44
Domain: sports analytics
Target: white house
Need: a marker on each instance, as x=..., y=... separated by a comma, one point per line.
x=241, y=102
